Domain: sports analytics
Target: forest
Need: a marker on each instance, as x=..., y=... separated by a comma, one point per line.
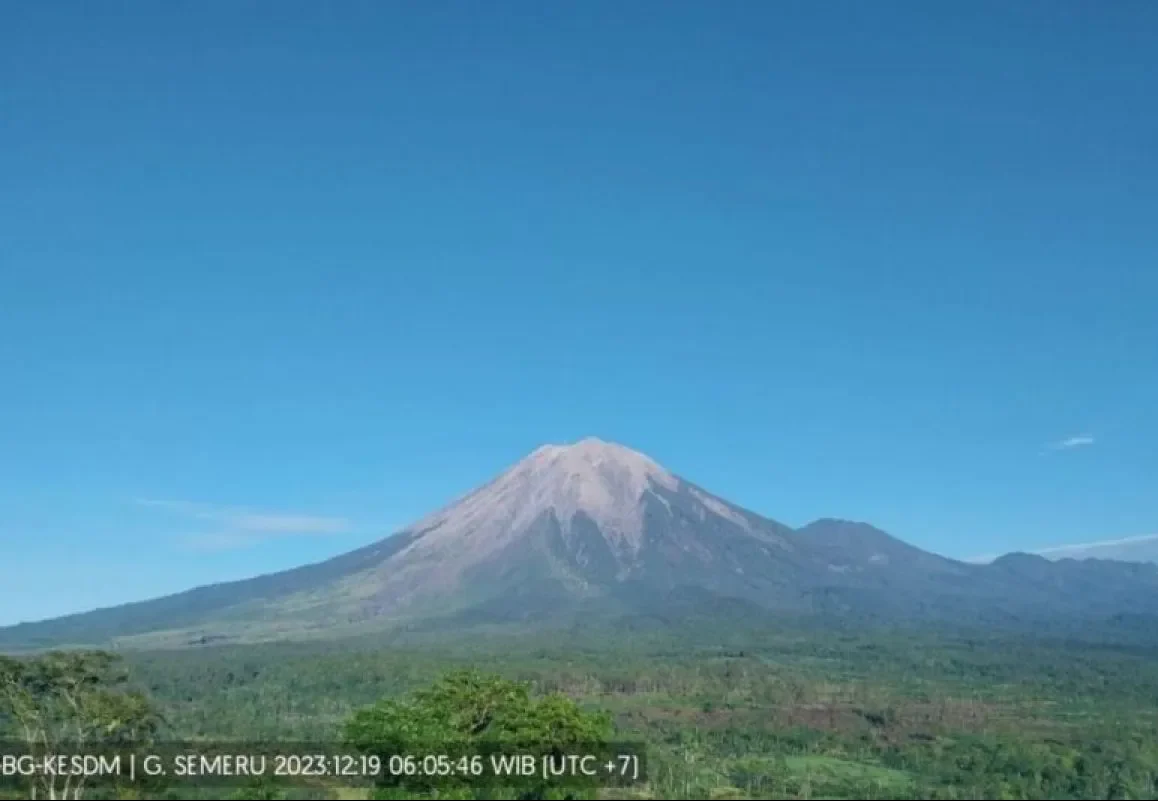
x=788, y=711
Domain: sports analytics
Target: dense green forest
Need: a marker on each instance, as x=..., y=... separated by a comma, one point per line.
x=791, y=713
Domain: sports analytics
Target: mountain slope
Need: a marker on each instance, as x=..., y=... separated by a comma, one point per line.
x=596, y=528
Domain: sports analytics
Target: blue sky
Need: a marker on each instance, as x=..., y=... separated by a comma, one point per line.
x=278, y=278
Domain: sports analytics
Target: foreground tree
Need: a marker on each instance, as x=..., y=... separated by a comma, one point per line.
x=471, y=719
x=73, y=702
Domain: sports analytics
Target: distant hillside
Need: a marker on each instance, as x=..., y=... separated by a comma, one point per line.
x=595, y=529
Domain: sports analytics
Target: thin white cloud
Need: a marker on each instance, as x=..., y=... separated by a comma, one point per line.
x=239, y=527
x=1084, y=549
x=980, y=560
x=1069, y=443
x=1089, y=546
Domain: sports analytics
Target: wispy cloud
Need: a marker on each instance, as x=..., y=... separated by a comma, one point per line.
x=1098, y=545
x=983, y=559
x=1069, y=443
x=1122, y=547
x=240, y=527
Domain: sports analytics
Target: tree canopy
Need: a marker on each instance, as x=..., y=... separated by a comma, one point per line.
x=467, y=714
x=71, y=702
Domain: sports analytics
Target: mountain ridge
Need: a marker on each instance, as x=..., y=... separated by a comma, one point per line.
x=597, y=526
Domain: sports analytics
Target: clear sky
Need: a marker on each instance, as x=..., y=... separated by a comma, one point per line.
x=279, y=278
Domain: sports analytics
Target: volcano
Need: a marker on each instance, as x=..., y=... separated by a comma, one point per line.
x=595, y=526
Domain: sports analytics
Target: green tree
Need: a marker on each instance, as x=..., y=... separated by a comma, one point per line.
x=73, y=702
x=471, y=718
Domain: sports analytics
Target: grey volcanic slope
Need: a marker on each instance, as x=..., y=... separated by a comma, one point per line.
x=596, y=525
x=197, y=605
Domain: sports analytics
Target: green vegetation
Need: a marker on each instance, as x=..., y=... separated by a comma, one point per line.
x=470, y=717
x=792, y=713
x=70, y=702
